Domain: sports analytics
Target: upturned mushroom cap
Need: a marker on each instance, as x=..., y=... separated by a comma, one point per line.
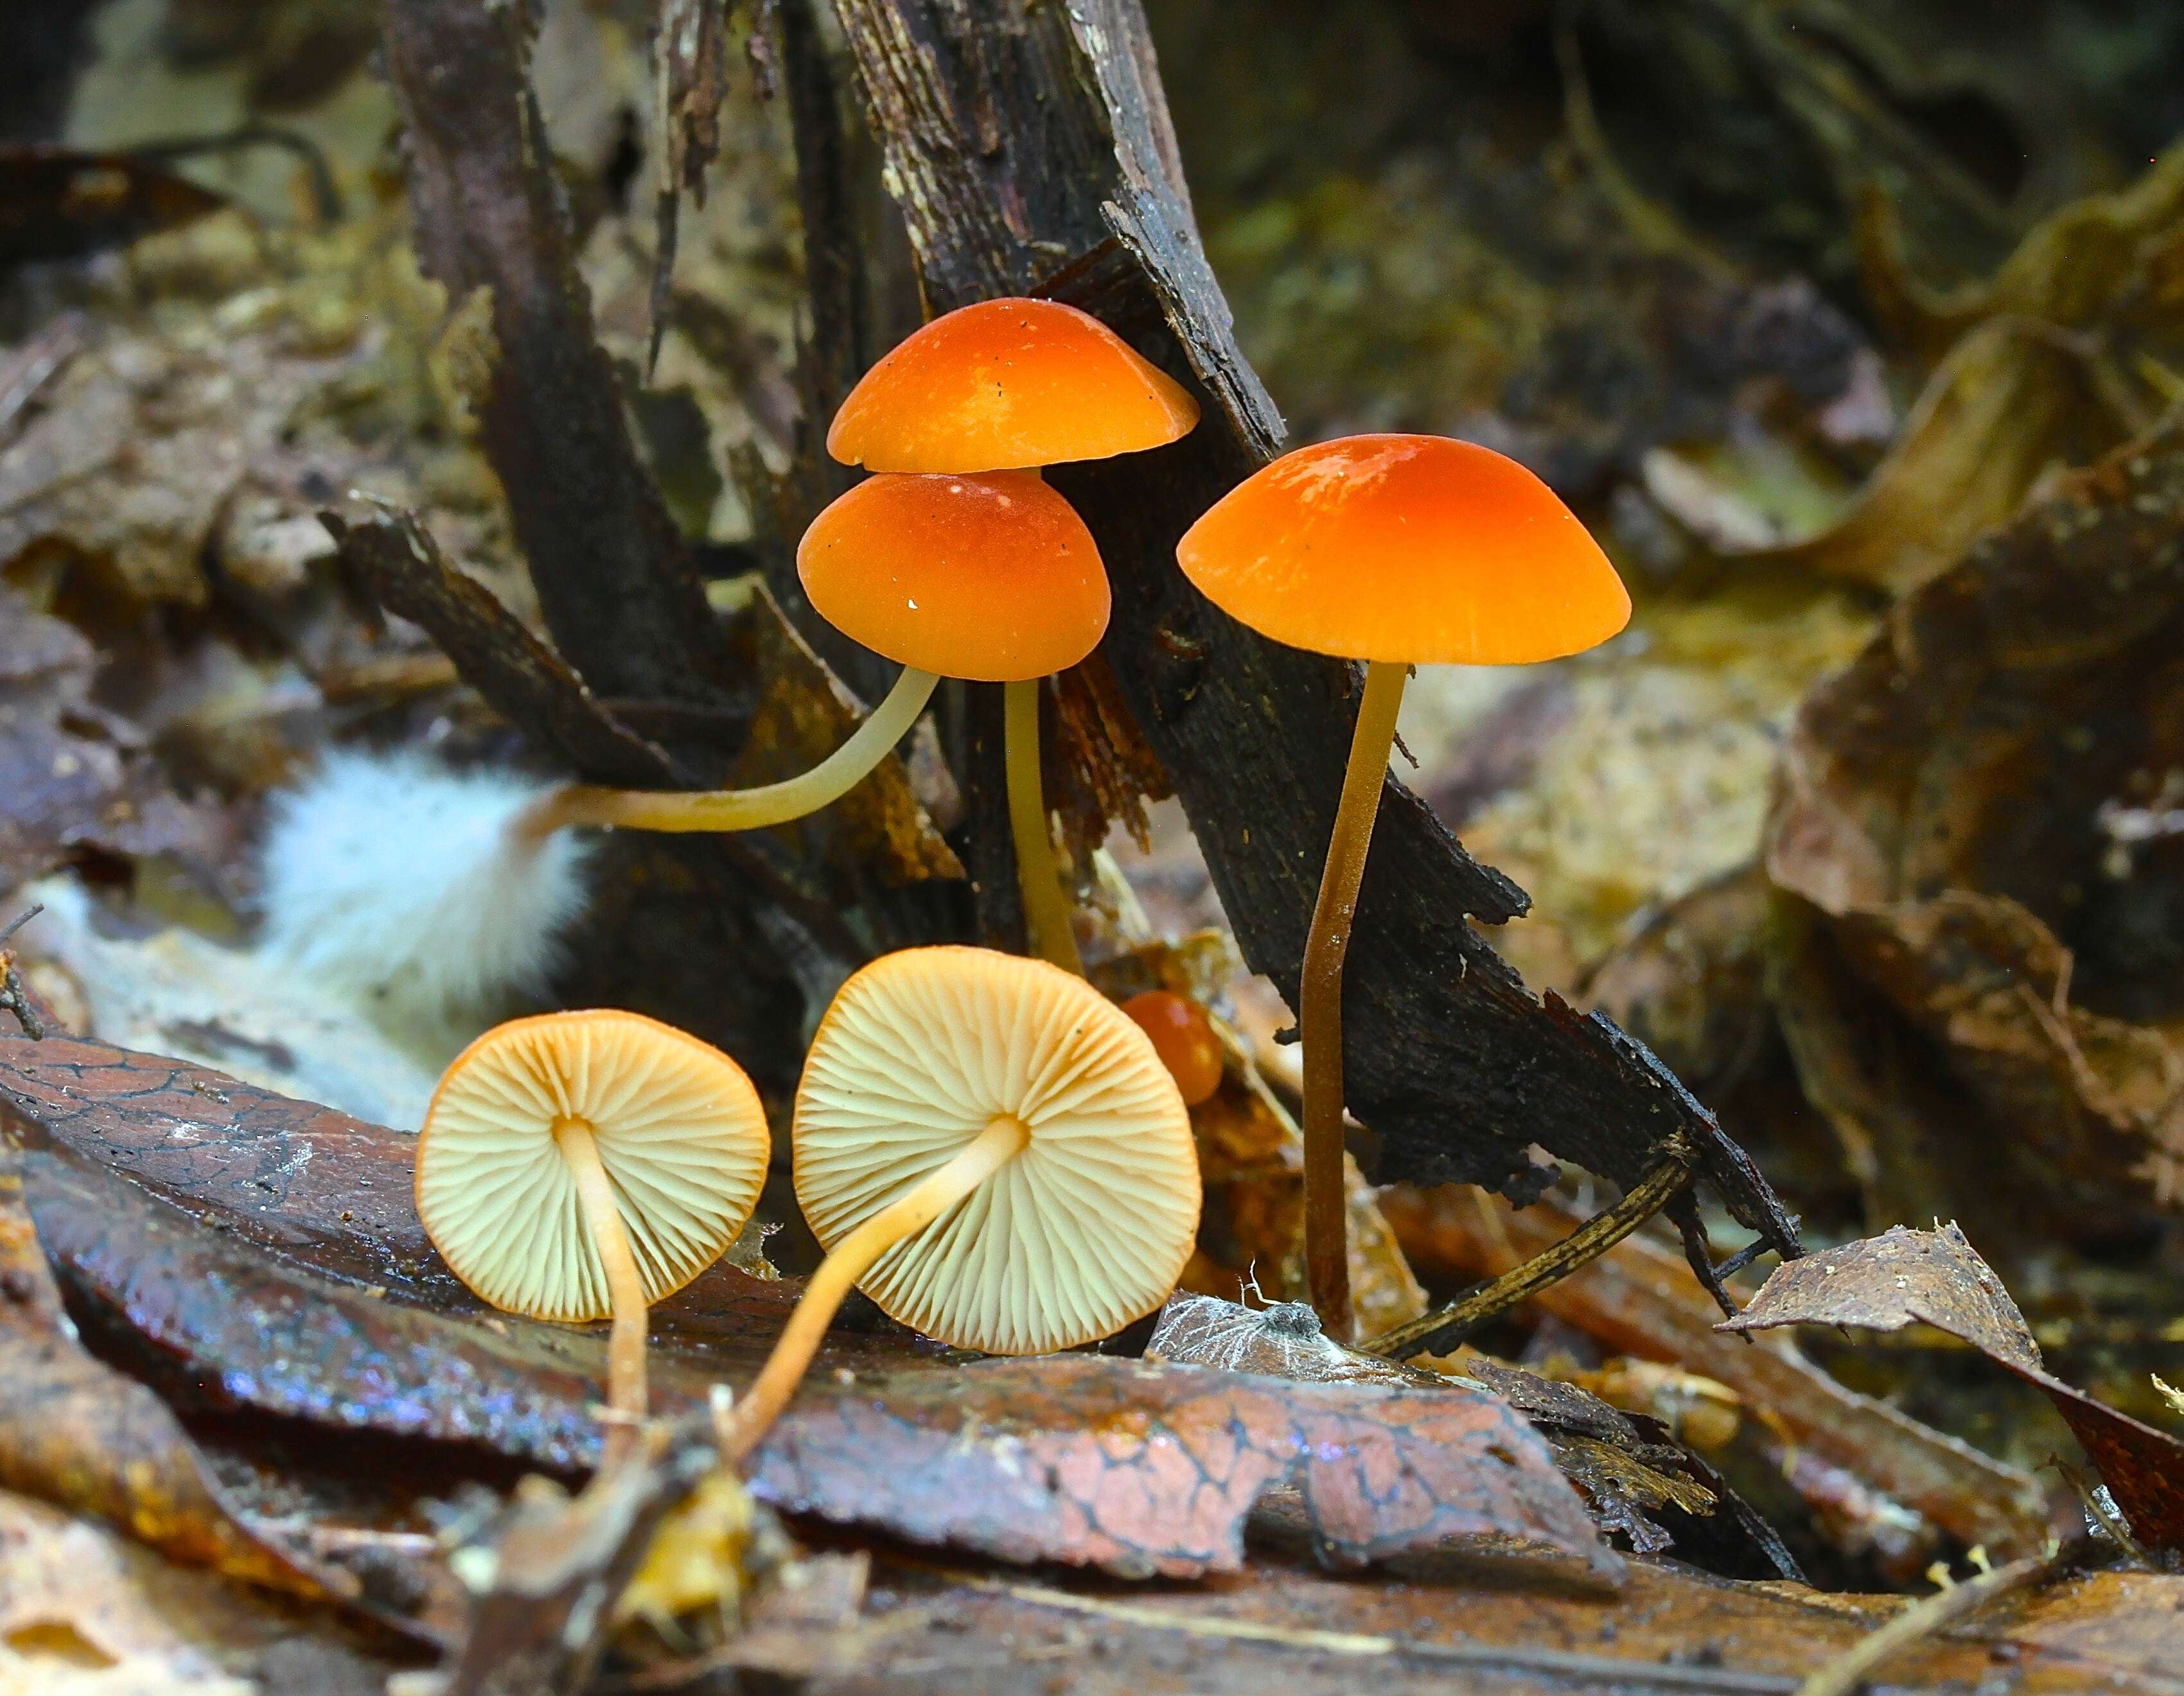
x=992, y=578
x=1084, y=1230
x=1004, y=385
x=678, y=1128
x=1413, y=549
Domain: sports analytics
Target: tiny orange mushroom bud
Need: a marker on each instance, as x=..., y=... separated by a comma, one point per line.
x=1183, y=1039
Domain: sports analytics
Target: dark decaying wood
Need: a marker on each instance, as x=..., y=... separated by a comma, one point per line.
x=1028, y=147
x=615, y=581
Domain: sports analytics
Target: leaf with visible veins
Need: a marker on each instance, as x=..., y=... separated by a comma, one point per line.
x=1149, y=1470
x=1911, y=1277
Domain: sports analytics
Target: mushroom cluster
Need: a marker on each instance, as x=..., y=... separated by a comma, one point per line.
x=997, y=1154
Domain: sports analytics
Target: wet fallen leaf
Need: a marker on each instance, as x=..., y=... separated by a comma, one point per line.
x=78, y=1433
x=1627, y=1474
x=317, y=1298
x=1143, y=1471
x=1977, y=973
x=1640, y=1299
x=1936, y=1278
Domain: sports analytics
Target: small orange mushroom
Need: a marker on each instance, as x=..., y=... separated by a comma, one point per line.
x=1013, y=385
x=991, y=578
x=1397, y=550
x=581, y=1166
x=1183, y=1038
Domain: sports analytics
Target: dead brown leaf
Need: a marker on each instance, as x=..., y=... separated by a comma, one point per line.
x=73, y=776
x=2059, y=358
x=140, y=442
x=80, y=1601
x=1981, y=974
x=1640, y=1299
x=77, y=1433
x=1916, y=1277
x=1454, y=1623
x=1627, y=1472
x=1142, y=1470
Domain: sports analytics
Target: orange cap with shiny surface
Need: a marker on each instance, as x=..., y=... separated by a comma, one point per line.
x=1413, y=549
x=993, y=578
x=1005, y=385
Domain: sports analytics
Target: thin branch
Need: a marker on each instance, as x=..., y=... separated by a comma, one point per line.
x=1922, y=1620
x=1450, y=1324
x=14, y=997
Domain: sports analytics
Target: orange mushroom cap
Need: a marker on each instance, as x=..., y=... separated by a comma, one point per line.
x=1005, y=385
x=1413, y=550
x=991, y=578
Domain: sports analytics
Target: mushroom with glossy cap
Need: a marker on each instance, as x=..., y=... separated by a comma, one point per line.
x=1397, y=550
x=1001, y=385
x=993, y=1150
x=581, y=1166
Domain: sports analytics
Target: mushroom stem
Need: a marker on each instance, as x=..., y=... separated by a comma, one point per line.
x=595, y=1195
x=1039, y=879
x=828, y=782
x=1319, y=1010
x=848, y=1260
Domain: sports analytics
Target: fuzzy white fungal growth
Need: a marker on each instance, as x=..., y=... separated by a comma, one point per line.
x=393, y=880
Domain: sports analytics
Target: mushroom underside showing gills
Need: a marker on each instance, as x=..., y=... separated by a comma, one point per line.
x=581, y=1166
x=994, y=1151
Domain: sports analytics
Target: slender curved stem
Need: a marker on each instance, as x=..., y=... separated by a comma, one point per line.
x=850, y=1258
x=1319, y=1010
x=595, y=1194
x=1039, y=879
x=828, y=782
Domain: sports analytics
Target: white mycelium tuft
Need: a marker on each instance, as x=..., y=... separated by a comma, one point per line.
x=394, y=880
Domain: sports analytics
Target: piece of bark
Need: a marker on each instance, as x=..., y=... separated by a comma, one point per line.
x=1029, y=150
x=615, y=581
